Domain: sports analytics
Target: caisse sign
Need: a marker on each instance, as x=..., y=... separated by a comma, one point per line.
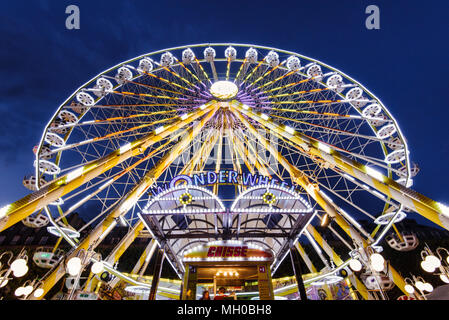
x=227, y=250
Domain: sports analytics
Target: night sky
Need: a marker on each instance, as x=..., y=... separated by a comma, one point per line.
x=405, y=63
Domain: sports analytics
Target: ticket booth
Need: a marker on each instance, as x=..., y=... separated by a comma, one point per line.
x=233, y=265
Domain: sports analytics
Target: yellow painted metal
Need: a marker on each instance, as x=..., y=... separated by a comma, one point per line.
x=63, y=185
x=124, y=243
x=219, y=158
x=337, y=260
x=428, y=208
x=313, y=191
x=305, y=257
x=298, y=177
x=99, y=232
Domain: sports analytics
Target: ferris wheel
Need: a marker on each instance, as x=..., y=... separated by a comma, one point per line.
x=246, y=108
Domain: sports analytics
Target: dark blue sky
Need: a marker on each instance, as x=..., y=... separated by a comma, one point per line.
x=405, y=63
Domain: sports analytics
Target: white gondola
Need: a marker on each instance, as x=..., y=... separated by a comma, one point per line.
x=272, y=59
x=36, y=221
x=209, y=54
x=386, y=131
x=29, y=182
x=231, y=53
x=45, y=153
x=85, y=99
x=145, y=65
x=167, y=59
x=102, y=87
x=48, y=167
x=379, y=120
x=293, y=63
x=188, y=56
x=54, y=140
x=414, y=169
x=67, y=117
x=395, y=157
x=409, y=241
x=395, y=143
x=372, y=111
x=251, y=55
x=123, y=75
x=335, y=82
x=355, y=96
x=314, y=71
x=57, y=127
x=78, y=107
x=46, y=257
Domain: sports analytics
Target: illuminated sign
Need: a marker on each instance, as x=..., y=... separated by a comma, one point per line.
x=231, y=250
x=222, y=177
x=222, y=251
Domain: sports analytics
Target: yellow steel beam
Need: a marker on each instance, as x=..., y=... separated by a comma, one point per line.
x=337, y=260
x=24, y=207
x=101, y=230
x=305, y=257
x=124, y=244
x=430, y=209
x=314, y=192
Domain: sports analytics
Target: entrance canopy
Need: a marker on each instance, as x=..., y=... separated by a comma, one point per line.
x=187, y=217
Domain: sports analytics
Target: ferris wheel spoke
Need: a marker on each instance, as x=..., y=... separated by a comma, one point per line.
x=265, y=74
x=202, y=70
x=252, y=71
x=113, y=134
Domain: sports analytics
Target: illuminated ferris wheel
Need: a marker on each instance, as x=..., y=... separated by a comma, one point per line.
x=116, y=144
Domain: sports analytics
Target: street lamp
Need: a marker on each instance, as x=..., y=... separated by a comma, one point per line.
x=355, y=265
x=432, y=261
x=18, y=267
x=418, y=283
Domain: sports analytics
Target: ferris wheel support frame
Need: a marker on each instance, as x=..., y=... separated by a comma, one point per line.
x=301, y=180
x=417, y=202
x=316, y=195
x=305, y=257
x=130, y=199
x=360, y=286
x=29, y=204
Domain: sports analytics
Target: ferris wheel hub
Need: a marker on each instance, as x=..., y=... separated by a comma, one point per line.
x=224, y=90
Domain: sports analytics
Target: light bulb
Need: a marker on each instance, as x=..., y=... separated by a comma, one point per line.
x=427, y=266
x=27, y=290
x=97, y=268
x=433, y=261
x=19, y=267
x=409, y=288
x=428, y=287
x=419, y=285
x=19, y=291
x=20, y=271
x=447, y=259
x=3, y=282
x=38, y=293
x=74, y=266
x=444, y=278
x=355, y=265
x=377, y=262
